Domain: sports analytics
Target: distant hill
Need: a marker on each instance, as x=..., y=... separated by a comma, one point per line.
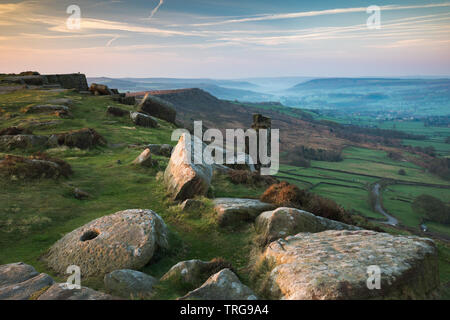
x=223, y=89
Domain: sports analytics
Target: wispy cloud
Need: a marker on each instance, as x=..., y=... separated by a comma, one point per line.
x=154, y=11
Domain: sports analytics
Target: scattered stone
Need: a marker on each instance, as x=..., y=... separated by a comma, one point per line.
x=100, y=90
x=123, y=99
x=124, y=240
x=13, y=131
x=223, y=285
x=80, y=194
x=158, y=108
x=191, y=204
x=334, y=265
x=130, y=284
x=117, y=112
x=15, y=273
x=187, y=175
x=194, y=273
x=23, y=141
x=283, y=222
x=61, y=291
x=85, y=138
x=164, y=150
x=143, y=120
x=145, y=159
x=34, y=167
x=233, y=211
x=61, y=101
x=47, y=108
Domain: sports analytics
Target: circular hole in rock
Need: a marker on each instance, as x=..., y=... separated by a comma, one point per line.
x=89, y=235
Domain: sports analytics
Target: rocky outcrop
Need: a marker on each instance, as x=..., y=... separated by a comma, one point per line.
x=13, y=131
x=124, y=240
x=143, y=120
x=164, y=150
x=145, y=159
x=187, y=175
x=233, y=211
x=130, y=284
x=283, y=222
x=19, y=281
x=158, y=108
x=61, y=291
x=193, y=273
x=100, y=90
x=334, y=265
x=46, y=108
x=223, y=285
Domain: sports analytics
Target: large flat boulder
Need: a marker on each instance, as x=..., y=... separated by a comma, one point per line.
x=61, y=291
x=283, y=222
x=15, y=273
x=187, y=175
x=158, y=108
x=27, y=289
x=46, y=108
x=23, y=141
x=232, y=211
x=124, y=240
x=130, y=284
x=334, y=265
x=33, y=167
x=143, y=120
x=223, y=285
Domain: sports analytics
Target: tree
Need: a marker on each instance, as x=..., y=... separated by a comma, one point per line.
x=432, y=208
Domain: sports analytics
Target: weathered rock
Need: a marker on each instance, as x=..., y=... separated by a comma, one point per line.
x=143, y=120
x=15, y=273
x=223, y=285
x=283, y=222
x=83, y=139
x=26, y=289
x=145, y=159
x=158, y=108
x=100, y=89
x=232, y=211
x=22, y=141
x=124, y=240
x=187, y=175
x=130, y=284
x=123, y=99
x=80, y=194
x=164, y=150
x=61, y=291
x=194, y=273
x=34, y=167
x=47, y=108
x=191, y=204
x=334, y=265
x=117, y=112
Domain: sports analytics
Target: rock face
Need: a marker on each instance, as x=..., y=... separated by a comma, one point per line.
x=124, y=240
x=158, y=108
x=283, y=222
x=164, y=150
x=223, y=285
x=334, y=265
x=232, y=211
x=145, y=159
x=187, y=175
x=60, y=291
x=130, y=284
x=19, y=281
x=143, y=120
x=194, y=273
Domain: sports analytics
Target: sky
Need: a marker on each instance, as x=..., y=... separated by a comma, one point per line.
x=226, y=39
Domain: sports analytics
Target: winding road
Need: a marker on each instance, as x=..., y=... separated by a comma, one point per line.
x=379, y=208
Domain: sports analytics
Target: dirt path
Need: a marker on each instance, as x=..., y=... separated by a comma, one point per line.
x=379, y=208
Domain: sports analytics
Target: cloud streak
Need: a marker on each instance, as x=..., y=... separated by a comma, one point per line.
x=154, y=11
